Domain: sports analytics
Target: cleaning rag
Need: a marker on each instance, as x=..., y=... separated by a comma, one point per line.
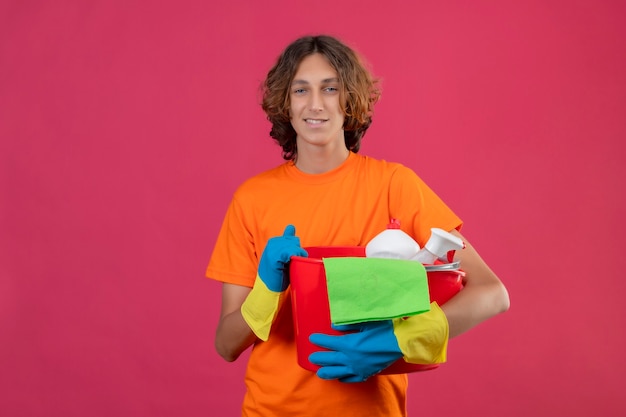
x=370, y=289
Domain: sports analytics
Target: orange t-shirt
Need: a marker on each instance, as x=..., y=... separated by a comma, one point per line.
x=347, y=206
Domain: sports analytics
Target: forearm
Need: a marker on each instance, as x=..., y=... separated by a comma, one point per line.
x=473, y=305
x=233, y=336
x=483, y=296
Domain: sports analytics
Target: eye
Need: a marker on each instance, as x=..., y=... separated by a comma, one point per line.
x=331, y=90
x=299, y=91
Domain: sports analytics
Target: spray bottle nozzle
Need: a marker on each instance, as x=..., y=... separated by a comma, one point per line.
x=441, y=245
x=442, y=242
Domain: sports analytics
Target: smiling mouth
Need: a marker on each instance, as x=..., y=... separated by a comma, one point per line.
x=315, y=121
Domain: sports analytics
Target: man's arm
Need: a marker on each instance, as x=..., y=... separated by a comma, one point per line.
x=483, y=296
x=233, y=335
x=248, y=313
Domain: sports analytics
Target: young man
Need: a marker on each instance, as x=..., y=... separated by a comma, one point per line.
x=319, y=98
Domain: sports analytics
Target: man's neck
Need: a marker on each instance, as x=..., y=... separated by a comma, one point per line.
x=321, y=161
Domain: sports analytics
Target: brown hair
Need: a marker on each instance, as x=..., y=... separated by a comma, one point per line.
x=359, y=91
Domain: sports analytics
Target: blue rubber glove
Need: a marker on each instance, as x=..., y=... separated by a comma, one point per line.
x=262, y=304
x=273, y=267
x=354, y=357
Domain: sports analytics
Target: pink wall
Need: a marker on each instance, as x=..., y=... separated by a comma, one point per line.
x=124, y=129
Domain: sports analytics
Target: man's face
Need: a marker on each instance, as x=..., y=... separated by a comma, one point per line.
x=315, y=111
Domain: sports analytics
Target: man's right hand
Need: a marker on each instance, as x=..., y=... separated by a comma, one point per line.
x=275, y=259
x=261, y=306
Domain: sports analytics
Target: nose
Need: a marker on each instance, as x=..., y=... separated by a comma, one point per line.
x=315, y=101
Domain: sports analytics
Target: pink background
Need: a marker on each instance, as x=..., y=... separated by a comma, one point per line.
x=126, y=126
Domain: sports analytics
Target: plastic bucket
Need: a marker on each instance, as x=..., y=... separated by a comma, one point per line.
x=309, y=298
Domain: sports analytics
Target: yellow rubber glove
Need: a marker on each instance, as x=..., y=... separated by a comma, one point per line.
x=261, y=306
x=423, y=339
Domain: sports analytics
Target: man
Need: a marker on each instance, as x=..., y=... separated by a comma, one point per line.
x=320, y=97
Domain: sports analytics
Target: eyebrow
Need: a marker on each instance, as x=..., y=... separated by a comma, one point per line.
x=325, y=81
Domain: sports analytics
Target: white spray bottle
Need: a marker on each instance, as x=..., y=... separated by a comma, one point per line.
x=438, y=246
x=392, y=243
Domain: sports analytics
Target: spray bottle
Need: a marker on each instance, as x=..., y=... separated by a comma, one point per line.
x=440, y=244
x=392, y=243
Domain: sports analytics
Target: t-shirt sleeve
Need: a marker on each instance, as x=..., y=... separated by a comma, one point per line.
x=413, y=201
x=234, y=259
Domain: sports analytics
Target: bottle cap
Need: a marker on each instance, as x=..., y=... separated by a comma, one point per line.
x=393, y=224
